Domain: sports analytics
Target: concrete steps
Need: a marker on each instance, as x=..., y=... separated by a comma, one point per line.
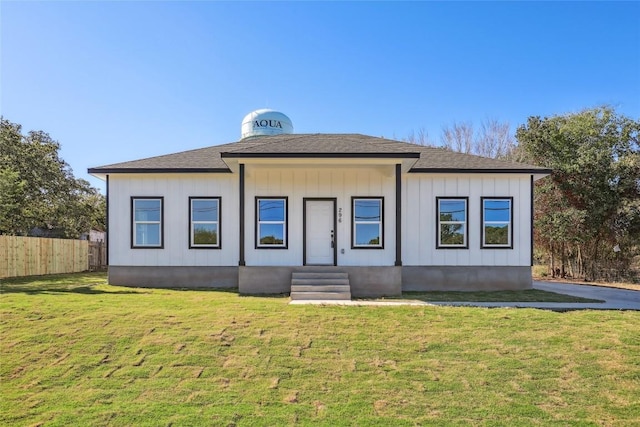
x=320, y=286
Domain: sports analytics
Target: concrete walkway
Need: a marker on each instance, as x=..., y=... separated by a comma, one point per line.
x=396, y=302
x=615, y=299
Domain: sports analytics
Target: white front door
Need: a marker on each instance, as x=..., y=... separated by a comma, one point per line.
x=319, y=232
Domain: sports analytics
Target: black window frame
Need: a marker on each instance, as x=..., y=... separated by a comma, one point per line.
x=353, y=222
x=285, y=245
x=483, y=245
x=193, y=245
x=465, y=245
x=133, y=222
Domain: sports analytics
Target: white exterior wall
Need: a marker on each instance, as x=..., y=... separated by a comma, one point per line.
x=341, y=183
x=176, y=190
x=419, y=192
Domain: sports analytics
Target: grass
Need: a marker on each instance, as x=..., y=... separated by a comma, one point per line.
x=75, y=351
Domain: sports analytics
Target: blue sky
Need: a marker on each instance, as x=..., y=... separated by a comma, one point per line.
x=118, y=81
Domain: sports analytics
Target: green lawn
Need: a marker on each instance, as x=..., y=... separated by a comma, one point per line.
x=75, y=351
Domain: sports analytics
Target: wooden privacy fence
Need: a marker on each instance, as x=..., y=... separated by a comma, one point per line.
x=97, y=255
x=32, y=256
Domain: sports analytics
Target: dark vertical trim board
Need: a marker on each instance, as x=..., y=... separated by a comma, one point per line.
x=335, y=232
x=162, y=221
x=107, y=219
x=131, y=223
x=531, y=224
x=241, y=260
x=304, y=231
x=189, y=224
x=398, y=214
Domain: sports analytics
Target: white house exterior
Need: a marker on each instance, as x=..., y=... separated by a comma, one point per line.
x=393, y=216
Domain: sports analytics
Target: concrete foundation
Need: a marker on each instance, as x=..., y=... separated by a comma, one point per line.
x=472, y=278
x=264, y=280
x=364, y=281
x=174, y=277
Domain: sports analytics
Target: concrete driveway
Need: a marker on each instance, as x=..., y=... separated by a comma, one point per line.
x=615, y=299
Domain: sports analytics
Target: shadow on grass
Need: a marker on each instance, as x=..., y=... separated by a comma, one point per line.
x=274, y=296
x=84, y=290
x=66, y=284
x=233, y=291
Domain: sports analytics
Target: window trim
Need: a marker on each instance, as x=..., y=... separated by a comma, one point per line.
x=465, y=245
x=353, y=222
x=218, y=222
x=285, y=245
x=484, y=245
x=133, y=222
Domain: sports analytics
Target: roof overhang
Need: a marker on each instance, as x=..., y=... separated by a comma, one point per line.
x=231, y=155
x=102, y=173
x=537, y=173
x=320, y=162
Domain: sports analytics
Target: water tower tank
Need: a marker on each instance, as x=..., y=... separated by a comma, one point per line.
x=265, y=122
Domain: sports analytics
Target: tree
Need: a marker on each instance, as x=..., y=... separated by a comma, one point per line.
x=493, y=140
x=591, y=204
x=38, y=189
x=458, y=137
x=450, y=234
x=12, y=194
x=419, y=138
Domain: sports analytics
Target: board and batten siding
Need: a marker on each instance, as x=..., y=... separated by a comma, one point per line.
x=176, y=189
x=419, y=192
x=419, y=219
x=341, y=183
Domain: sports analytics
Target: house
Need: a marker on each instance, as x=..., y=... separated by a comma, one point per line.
x=94, y=235
x=387, y=216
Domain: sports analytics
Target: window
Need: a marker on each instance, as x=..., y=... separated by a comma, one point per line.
x=367, y=229
x=497, y=222
x=147, y=225
x=271, y=222
x=204, y=231
x=452, y=222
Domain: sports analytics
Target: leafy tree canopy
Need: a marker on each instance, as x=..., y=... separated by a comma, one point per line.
x=592, y=201
x=38, y=189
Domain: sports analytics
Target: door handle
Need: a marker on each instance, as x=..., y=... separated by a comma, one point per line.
x=332, y=240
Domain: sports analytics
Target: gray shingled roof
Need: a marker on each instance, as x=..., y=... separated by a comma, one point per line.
x=211, y=159
x=434, y=159
x=329, y=144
